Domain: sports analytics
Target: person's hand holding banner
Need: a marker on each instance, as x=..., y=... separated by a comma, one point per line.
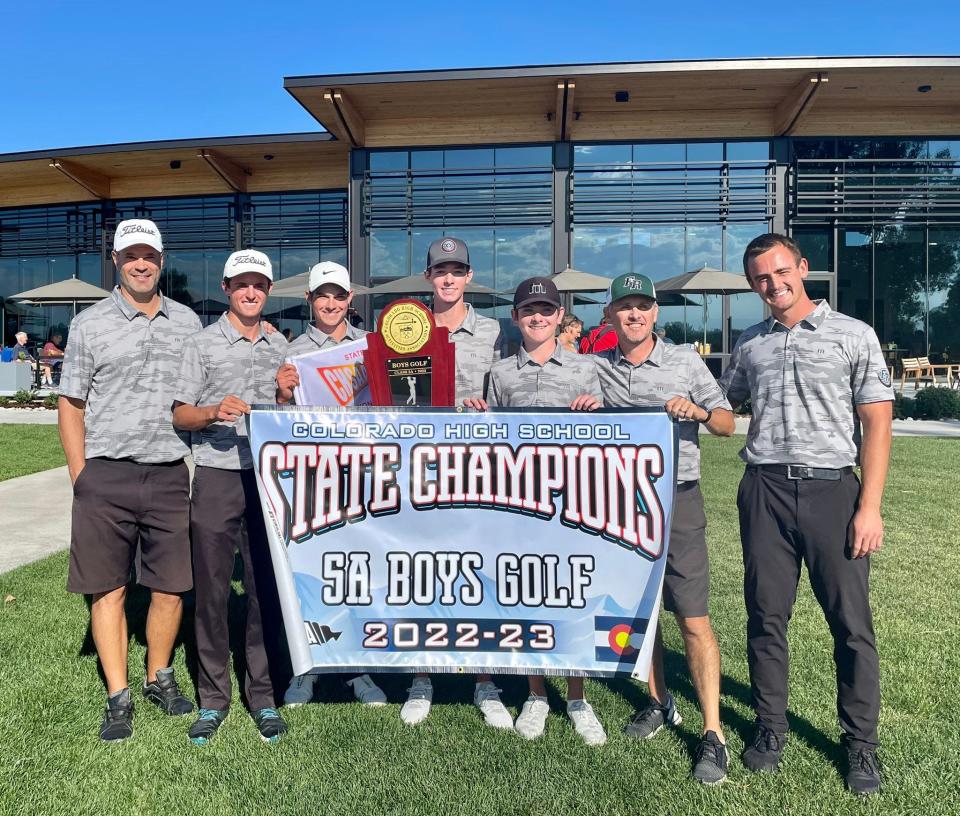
x=330, y=377
x=287, y=380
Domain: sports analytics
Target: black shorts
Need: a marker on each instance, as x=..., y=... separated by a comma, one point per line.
x=686, y=581
x=118, y=504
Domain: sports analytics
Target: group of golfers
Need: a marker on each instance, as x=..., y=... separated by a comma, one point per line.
x=144, y=385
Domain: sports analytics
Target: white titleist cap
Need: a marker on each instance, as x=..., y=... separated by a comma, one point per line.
x=137, y=231
x=329, y=272
x=248, y=260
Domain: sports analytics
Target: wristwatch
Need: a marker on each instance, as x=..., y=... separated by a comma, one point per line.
x=706, y=419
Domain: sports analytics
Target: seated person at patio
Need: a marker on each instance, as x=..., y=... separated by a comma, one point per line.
x=20, y=351
x=51, y=357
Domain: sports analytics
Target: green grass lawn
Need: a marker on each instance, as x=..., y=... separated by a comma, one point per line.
x=342, y=758
x=29, y=449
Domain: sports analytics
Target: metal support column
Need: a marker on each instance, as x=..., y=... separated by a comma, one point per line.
x=358, y=250
x=781, y=200
x=562, y=225
x=108, y=216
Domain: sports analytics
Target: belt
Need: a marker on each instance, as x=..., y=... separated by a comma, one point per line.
x=801, y=472
x=683, y=487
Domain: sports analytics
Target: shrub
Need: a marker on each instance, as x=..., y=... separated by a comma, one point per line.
x=4, y=402
x=937, y=403
x=22, y=398
x=903, y=407
x=50, y=401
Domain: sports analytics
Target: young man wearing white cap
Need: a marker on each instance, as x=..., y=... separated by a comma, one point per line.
x=479, y=343
x=329, y=294
x=130, y=483
x=226, y=368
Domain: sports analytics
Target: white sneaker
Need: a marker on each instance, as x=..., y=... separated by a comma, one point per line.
x=585, y=722
x=419, y=699
x=366, y=691
x=533, y=717
x=300, y=690
x=486, y=697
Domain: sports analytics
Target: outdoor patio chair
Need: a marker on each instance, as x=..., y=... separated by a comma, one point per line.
x=917, y=370
x=946, y=368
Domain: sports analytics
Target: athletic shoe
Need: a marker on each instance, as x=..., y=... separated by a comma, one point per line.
x=300, y=690
x=648, y=722
x=533, y=717
x=863, y=770
x=165, y=694
x=117, y=722
x=710, y=765
x=763, y=754
x=366, y=691
x=419, y=699
x=486, y=697
x=585, y=722
x=206, y=725
x=270, y=724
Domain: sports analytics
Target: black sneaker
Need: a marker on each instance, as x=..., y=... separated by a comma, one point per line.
x=710, y=760
x=763, y=754
x=117, y=722
x=863, y=770
x=165, y=694
x=204, y=729
x=270, y=724
x=648, y=722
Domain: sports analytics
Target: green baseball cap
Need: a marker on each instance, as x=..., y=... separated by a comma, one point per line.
x=628, y=285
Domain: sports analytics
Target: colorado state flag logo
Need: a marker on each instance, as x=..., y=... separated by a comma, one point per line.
x=618, y=640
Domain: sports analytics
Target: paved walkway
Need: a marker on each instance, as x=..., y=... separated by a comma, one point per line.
x=35, y=509
x=34, y=517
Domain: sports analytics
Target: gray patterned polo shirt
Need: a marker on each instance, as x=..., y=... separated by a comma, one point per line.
x=313, y=340
x=218, y=362
x=479, y=344
x=521, y=382
x=124, y=364
x=805, y=384
x=670, y=371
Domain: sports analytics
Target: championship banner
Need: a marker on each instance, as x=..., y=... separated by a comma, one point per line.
x=440, y=541
x=333, y=377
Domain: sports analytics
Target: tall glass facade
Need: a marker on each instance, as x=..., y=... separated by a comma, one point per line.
x=40, y=245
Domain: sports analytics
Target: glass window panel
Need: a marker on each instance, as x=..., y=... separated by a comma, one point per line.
x=601, y=154
x=90, y=269
x=746, y=309
x=602, y=250
x=658, y=252
x=816, y=244
x=854, y=273
x=294, y=261
x=673, y=153
x=900, y=288
x=426, y=159
x=705, y=152
x=945, y=149
x=61, y=267
x=944, y=293
x=521, y=254
x=389, y=254
x=900, y=149
x=389, y=160
x=737, y=236
x=748, y=151
x=814, y=148
x=855, y=149
x=184, y=279
x=468, y=158
x=704, y=247
x=536, y=156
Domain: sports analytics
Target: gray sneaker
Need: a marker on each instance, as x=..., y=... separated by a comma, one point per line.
x=710, y=765
x=649, y=721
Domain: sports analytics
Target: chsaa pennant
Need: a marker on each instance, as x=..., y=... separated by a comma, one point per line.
x=333, y=377
x=447, y=541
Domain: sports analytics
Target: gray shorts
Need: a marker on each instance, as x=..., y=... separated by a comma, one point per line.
x=120, y=506
x=686, y=582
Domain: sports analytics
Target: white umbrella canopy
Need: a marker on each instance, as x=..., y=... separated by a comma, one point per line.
x=72, y=290
x=705, y=280
x=573, y=280
x=295, y=286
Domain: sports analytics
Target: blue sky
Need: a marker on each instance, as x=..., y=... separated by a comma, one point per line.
x=81, y=74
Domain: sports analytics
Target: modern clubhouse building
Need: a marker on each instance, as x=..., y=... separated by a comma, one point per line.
x=652, y=167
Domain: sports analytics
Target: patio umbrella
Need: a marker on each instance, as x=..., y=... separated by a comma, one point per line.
x=705, y=281
x=572, y=280
x=295, y=286
x=71, y=291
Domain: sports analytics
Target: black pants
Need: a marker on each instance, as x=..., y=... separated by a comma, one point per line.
x=225, y=516
x=784, y=522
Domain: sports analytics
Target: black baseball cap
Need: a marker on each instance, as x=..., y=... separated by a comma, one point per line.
x=448, y=250
x=536, y=290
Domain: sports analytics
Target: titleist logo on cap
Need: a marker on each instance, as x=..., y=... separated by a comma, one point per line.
x=130, y=228
x=249, y=259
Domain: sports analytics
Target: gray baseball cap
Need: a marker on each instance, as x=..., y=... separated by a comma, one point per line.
x=448, y=250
